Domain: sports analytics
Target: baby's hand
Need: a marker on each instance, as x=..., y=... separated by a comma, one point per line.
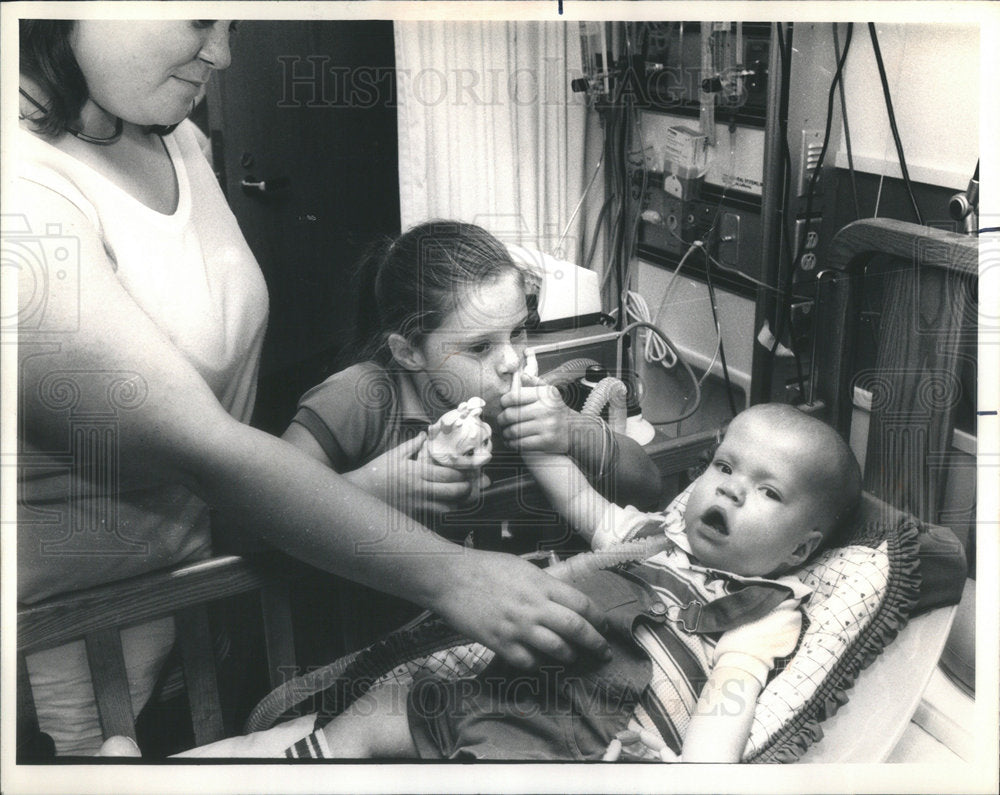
x=638, y=743
x=534, y=418
x=415, y=484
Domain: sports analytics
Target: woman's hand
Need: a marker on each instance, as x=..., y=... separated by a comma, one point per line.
x=535, y=419
x=519, y=611
x=415, y=485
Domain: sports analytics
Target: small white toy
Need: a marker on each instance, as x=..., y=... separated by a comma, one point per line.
x=460, y=439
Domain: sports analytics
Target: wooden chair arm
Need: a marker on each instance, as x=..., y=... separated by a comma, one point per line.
x=97, y=616
x=144, y=598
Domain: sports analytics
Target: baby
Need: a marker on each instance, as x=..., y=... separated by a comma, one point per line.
x=695, y=629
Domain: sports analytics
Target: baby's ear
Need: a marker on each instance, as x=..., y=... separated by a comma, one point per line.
x=405, y=353
x=804, y=550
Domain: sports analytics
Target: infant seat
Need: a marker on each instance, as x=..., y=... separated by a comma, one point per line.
x=895, y=566
x=864, y=593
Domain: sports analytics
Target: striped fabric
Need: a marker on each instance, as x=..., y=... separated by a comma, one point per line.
x=681, y=660
x=312, y=746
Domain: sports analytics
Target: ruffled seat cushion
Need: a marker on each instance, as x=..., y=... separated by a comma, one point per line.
x=863, y=594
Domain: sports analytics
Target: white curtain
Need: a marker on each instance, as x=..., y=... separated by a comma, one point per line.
x=490, y=131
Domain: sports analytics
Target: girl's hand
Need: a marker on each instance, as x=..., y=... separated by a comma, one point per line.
x=535, y=419
x=414, y=485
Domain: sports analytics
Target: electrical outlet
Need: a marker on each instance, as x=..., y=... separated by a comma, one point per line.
x=808, y=261
x=807, y=234
x=729, y=239
x=809, y=162
x=801, y=323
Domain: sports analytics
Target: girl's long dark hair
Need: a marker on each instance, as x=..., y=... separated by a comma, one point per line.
x=408, y=286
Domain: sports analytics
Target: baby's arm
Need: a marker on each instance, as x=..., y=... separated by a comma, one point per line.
x=723, y=716
x=570, y=493
x=535, y=419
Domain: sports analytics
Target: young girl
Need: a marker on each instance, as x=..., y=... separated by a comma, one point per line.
x=447, y=311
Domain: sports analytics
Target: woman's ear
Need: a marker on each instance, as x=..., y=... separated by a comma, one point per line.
x=405, y=353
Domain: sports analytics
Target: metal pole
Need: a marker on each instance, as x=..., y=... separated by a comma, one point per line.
x=761, y=371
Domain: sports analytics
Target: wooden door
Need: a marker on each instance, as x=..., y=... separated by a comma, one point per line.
x=303, y=128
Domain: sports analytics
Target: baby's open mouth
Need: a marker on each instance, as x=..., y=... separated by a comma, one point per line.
x=715, y=519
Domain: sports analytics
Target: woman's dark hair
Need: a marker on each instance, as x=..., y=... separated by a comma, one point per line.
x=408, y=286
x=47, y=58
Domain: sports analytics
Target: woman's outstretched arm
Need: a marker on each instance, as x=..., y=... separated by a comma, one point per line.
x=179, y=433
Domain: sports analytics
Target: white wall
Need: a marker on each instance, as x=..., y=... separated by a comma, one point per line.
x=933, y=72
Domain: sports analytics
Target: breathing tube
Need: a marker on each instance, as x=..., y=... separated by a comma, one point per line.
x=610, y=392
x=565, y=373
x=586, y=563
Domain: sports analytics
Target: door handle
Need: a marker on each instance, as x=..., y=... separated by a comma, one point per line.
x=265, y=187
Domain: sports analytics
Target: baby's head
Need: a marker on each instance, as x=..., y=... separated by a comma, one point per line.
x=780, y=485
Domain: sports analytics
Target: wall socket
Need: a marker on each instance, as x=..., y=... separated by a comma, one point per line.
x=729, y=239
x=809, y=162
x=807, y=241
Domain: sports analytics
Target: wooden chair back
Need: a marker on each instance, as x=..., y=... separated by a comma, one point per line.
x=98, y=614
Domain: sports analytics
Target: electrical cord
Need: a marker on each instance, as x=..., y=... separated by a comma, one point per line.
x=609, y=154
x=597, y=231
x=633, y=224
x=687, y=368
x=618, y=142
x=692, y=247
x=892, y=122
x=847, y=127
x=579, y=204
x=722, y=349
x=727, y=268
x=786, y=302
x=831, y=96
x=785, y=216
x=715, y=356
x=696, y=245
x=654, y=350
x=737, y=272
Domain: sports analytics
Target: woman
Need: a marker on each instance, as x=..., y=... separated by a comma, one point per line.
x=140, y=324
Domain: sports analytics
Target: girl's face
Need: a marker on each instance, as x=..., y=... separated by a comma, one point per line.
x=149, y=72
x=479, y=346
